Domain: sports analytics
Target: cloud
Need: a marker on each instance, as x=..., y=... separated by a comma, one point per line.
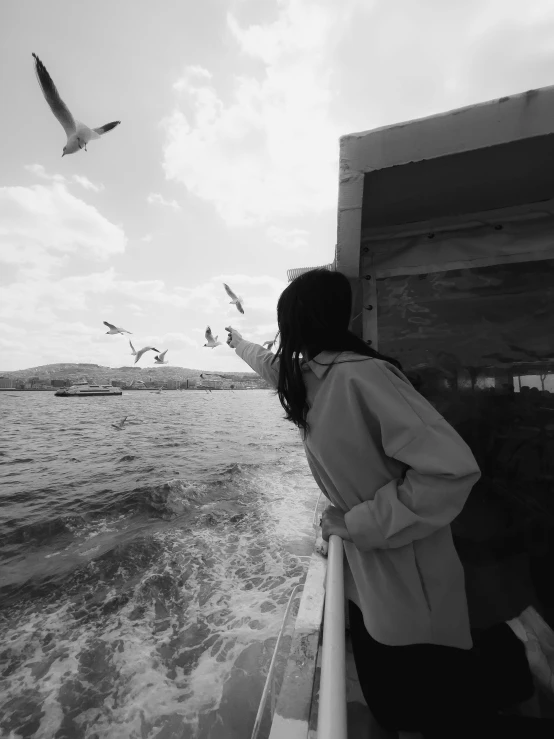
x=39, y=171
x=272, y=282
x=291, y=238
x=265, y=329
x=260, y=292
x=433, y=56
x=173, y=338
x=70, y=341
x=193, y=71
x=136, y=309
x=158, y=199
x=39, y=300
x=146, y=238
x=86, y=183
x=156, y=292
x=42, y=224
x=11, y=345
x=264, y=146
x=7, y=328
x=269, y=148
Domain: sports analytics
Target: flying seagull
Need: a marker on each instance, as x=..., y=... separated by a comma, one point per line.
x=145, y=349
x=160, y=358
x=211, y=342
x=133, y=351
x=119, y=426
x=115, y=329
x=78, y=135
x=234, y=299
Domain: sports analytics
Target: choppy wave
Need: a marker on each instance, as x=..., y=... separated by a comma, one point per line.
x=173, y=497
x=143, y=583
x=18, y=461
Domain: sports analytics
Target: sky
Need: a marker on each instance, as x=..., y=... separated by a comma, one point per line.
x=225, y=165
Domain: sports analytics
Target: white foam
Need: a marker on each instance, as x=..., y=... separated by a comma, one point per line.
x=170, y=650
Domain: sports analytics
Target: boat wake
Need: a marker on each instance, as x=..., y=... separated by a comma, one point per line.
x=143, y=589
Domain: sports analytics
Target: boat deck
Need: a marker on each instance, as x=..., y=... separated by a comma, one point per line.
x=297, y=708
x=361, y=723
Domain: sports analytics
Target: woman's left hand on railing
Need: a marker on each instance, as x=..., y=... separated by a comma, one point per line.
x=332, y=522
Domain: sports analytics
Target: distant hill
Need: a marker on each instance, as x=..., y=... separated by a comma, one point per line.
x=101, y=374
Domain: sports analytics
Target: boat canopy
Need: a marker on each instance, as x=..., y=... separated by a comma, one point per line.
x=468, y=187
x=445, y=231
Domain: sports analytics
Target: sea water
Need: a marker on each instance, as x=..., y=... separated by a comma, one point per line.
x=144, y=572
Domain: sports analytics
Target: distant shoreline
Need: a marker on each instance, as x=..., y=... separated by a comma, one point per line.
x=133, y=389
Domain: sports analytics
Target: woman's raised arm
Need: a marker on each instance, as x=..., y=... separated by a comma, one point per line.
x=262, y=361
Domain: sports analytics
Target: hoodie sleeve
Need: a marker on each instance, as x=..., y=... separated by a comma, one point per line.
x=262, y=361
x=440, y=467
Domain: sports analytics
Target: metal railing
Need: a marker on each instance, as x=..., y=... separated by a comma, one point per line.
x=331, y=723
x=315, y=522
x=270, y=679
x=292, y=274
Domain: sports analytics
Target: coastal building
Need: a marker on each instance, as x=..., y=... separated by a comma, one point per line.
x=6, y=384
x=211, y=384
x=59, y=383
x=136, y=385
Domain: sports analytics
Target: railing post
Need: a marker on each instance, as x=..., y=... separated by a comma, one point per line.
x=331, y=722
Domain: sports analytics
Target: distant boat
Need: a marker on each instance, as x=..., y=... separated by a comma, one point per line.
x=86, y=389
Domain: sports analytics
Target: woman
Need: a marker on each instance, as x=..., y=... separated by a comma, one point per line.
x=397, y=474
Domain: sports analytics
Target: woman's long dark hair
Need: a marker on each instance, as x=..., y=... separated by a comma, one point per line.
x=313, y=314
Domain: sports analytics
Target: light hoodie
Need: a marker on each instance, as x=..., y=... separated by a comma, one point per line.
x=384, y=456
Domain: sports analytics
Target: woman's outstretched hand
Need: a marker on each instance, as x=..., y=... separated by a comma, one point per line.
x=234, y=337
x=332, y=522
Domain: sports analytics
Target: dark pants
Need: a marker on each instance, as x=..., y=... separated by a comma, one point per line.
x=443, y=691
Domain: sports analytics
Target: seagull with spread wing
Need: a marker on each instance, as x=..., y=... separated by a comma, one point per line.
x=211, y=342
x=133, y=350
x=78, y=134
x=115, y=329
x=145, y=349
x=235, y=300
x=160, y=358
